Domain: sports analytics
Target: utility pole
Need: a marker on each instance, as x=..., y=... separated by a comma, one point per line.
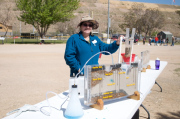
x=20, y=28
x=33, y=29
x=108, y=21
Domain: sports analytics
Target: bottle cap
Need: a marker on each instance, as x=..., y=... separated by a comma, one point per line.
x=74, y=86
x=157, y=58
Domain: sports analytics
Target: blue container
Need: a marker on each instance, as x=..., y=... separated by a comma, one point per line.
x=157, y=64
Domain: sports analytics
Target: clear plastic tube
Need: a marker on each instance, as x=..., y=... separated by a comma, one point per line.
x=49, y=113
x=120, y=47
x=88, y=61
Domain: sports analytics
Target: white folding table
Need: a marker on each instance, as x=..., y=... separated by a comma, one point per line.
x=120, y=108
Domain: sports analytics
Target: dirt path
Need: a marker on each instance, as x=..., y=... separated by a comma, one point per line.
x=27, y=72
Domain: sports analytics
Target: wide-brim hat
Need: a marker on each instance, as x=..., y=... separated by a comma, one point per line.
x=87, y=18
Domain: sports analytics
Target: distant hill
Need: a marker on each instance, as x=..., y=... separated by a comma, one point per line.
x=98, y=9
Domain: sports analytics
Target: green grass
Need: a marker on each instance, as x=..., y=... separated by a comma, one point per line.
x=37, y=41
x=80, y=12
x=31, y=41
x=177, y=71
x=177, y=43
x=176, y=63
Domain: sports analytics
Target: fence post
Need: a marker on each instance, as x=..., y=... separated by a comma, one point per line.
x=14, y=40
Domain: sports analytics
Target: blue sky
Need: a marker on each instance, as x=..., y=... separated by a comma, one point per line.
x=168, y=2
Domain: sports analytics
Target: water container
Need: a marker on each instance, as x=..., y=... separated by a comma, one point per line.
x=157, y=63
x=74, y=109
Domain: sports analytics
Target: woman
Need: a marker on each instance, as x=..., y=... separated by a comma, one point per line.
x=83, y=45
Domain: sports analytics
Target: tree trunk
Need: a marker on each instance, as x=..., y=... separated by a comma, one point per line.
x=5, y=34
x=6, y=29
x=139, y=36
x=42, y=36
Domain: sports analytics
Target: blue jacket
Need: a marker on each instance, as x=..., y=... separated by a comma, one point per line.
x=78, y=51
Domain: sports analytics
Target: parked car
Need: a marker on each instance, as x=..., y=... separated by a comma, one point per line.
x=115, y=36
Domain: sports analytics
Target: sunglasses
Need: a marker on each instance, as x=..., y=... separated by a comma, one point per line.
x=86, y=25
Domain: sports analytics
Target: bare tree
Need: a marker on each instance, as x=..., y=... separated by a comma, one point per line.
x=114, y=27
x=178, y=12
x=69, y=27
x=133, y=18
x=144, y=20
x=152, y=19
x=66, y=28
x=5, y=14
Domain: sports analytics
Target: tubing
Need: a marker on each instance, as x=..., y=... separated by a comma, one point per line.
x=49, y=113
x=120, y=47
x=89, y=60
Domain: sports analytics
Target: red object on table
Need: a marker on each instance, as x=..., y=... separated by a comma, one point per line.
x=126, y=59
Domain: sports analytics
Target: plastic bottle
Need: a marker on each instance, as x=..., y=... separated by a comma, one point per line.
x=74, y=109
x=157, y=63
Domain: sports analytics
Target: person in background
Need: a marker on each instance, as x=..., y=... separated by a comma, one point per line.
x=167, y=41
x=144, y=41
x=150, y=40
x=82, y=46
x=164, y=41
x=137, y=40
x=161, y=41
x=156, y=40
x=173, y=40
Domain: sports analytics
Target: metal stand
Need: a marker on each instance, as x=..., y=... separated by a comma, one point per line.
x=158, y=85
x=143, y=105
x=136, y=115
x=146, y=111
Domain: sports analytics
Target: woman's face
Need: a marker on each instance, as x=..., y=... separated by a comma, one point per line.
x=86, y=27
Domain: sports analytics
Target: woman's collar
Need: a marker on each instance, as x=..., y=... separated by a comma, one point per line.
x=82, y=37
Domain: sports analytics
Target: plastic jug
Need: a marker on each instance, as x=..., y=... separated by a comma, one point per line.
x=74, y=109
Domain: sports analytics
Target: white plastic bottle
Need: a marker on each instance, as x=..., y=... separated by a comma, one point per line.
x=74, y=109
